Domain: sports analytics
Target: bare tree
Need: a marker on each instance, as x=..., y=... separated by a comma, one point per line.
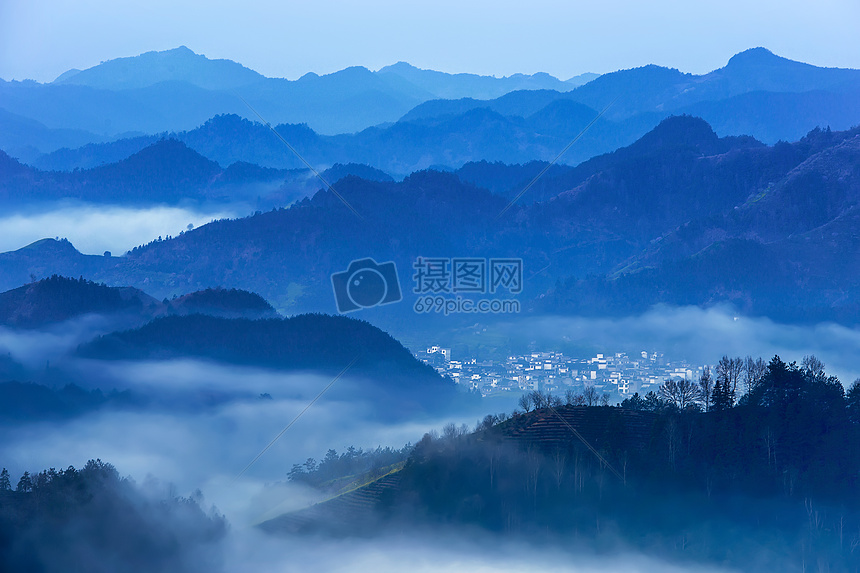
x=729, y=373
x=591, y=396
x=681, y=393
x=538, y=399
x=525, y=402
x=706, y=387
x=754, y=370
x=488, y=422
x=813, y=367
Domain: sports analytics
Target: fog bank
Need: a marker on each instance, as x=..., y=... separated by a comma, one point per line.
x=698, y=335
x=94, y=229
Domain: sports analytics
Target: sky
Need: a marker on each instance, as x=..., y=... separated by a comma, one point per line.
x=40, y=39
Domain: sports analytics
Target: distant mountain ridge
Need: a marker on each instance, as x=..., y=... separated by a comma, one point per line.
x=177, y=90
x=682, y=216
x=451, y=86
x=167, y=171
x=398, y=149
x=191, y=89
x=757, y=93
x=182, y=64
x=150, y=68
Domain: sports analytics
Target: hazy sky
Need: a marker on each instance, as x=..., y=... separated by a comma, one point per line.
x=40, y=39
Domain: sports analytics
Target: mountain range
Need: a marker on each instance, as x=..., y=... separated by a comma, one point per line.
x=444, y=142
x=178, y=89
x=681, y=216
x=400, y=118
x=166, y=172
x=225, y=326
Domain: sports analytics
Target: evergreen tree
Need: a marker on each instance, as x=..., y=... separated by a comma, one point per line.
x=853, y=402
x=721, y=399
x=5, y=484
x=653, y=403
x=25, y=484
x=634, y=402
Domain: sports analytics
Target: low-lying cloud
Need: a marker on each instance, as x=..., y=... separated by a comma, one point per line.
x=206, y=446
x=698, y=335
x=94, y=229
x=204, y=422
x=452, y=551
x=36, y=347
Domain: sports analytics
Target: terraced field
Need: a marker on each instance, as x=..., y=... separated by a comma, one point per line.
x=601, y=427
x=548, y=429
x=350, y=507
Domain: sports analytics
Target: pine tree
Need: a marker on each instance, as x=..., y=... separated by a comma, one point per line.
x=25, y=484
x=5, y=484
x=722, y=398
x=852, y=399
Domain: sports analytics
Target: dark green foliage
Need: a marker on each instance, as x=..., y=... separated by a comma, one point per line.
x=25, y=484
x=691, y=218
x=634, y=402
x=852, y=399
x=309, y=341
x=757, y=486
x=722, y=397
x=57, y=298
x=504, y=179
x=93, y=520
x=336, y=468
x=391, y=378
x=338, y=171
x=166, y=171
x=223, y=302
x=650, y=403
x=805, y=187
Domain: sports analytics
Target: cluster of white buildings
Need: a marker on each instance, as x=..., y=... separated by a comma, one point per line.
x=617, y=374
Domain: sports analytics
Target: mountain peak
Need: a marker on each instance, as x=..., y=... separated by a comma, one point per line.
x=183, y=49
x=177, y=64
x=681, y=131
x=754, y=56
x=57, y=298
x=171, y=152
x=400, y=66
x=51, y=246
